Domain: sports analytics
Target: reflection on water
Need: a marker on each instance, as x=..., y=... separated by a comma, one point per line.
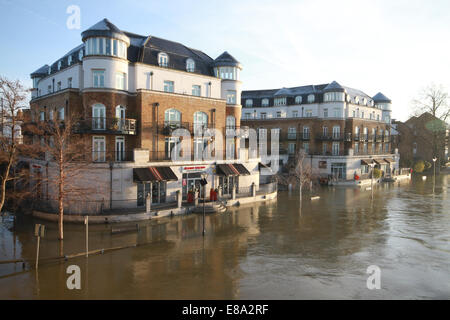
x=273, y=250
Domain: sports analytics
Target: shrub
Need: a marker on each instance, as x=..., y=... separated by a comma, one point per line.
x=376, y=173
x=427, y=165
x=419, y=166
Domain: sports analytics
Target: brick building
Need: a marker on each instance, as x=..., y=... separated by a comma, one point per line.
x=421, y=138
x=341, y=129
x=129, y=93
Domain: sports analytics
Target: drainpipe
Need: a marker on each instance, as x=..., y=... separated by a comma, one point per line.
x=151, y=80
x=155, y=137
x=111, y=164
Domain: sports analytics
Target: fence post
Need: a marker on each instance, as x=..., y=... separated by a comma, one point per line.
x=253, y=189
x=196, y=198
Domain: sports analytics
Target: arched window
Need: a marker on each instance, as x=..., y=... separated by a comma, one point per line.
x=190, y=65
x=248, y=102
x=200, y=121
x=163, y=59
x=69, y=60
x=98, y=117
x=311, y=98
x=80, y=55
x=298, y=99
x=265, y=102
x=172, y=116
x=59, y=64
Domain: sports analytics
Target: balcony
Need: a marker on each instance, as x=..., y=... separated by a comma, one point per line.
x=348, y=137
x=110, y=156
x=336, y=137
x=356, y=137
x=193, y=155
x=306, y=136
x=195, y=129
x=106, y=126
x=292, y=136
x=324, y=137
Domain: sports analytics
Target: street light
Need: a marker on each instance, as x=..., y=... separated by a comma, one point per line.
x=203, y=183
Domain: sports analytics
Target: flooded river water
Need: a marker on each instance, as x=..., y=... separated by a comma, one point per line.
x=273, y=250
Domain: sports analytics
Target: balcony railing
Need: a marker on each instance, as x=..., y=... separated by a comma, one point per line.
x=106, y=125
x=306, y=136
x=356, y=137
x=193, y=155
x=111, y=156
x=348, y=137
x=336, y=136
x=169, y=126
x=324, y=137
x=292, y=136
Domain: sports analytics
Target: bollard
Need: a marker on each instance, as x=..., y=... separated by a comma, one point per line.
x=196, y=198
x=253, y=189
x=179, y=199
x=233, y=192
x=148, y=202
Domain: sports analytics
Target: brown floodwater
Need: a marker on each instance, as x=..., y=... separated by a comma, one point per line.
x=272, y=250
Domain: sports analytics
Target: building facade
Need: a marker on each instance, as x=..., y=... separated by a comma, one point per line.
x=342, y=130
x=129, y=94
x=421, y=138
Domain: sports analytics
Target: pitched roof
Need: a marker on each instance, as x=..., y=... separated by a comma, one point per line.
x=226, y=60
x=334, y=86
x=104, y=28
x=379, y=97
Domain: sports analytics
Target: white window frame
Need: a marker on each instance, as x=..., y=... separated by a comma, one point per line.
x=163, y=59
x=98, y=78
x=169, y=86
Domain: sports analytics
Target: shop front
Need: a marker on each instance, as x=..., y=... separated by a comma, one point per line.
x=152, y=180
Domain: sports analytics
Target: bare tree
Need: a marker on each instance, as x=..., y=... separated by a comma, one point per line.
x=299, y=172
x=433, y=99
x=68, y=156
x=13, y=96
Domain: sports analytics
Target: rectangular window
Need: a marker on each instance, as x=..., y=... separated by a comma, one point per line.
x=61, y=113
x=386, y=148
x=50, y=115
x=98, y=78
x=305, y=132
x=356, y=147
x=69, y=83
x=335, y=149
x=325, y=113
x=291, y=147
x=120, y=80
x=98, y=149
x=308, y=113
x=337, y=113
x=324, y=148
x=365, y=148
x=263, y=115
x=336, y=132
x=168, y=86
x=49, y=89
x=325, y=131
x=354, y=113
x=247, y=115
x=59, y=85
x=42, y=116
x=278, y=114
x=196, y=90
x=306, y=147
x=231, y=96
x=280, y=101
x=295, y=114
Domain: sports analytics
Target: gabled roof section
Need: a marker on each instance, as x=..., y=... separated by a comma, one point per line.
x=334, y=86
x=379, y=97
x=226, y=60
x=105, y=28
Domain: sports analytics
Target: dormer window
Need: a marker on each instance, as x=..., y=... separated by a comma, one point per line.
x=280, y=101
x=163, y=59
x=59, y=65
x=349, y=98
x=311, y=98
x=357, y=100
x=364, y=101
x=265, y=102
x=298, y=99
x=49, y=70
x=80, y=55
x=69, y=60
x=248, y=102
x=190, y=65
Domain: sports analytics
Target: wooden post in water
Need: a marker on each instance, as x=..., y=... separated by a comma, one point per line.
x=38, y=232
x=86, y=222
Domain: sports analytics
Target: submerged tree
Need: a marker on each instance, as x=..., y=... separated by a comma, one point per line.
x=434, y=100
x=299, y=172
x=68, y=157
x=13, y=97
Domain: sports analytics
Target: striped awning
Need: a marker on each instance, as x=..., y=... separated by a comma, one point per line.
x=380, y=161
x=366, y=162
x=227, y=170
x=389, y=160
x=153, y=174
x=241, y=169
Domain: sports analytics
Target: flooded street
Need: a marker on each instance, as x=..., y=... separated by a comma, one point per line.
x=272, y=250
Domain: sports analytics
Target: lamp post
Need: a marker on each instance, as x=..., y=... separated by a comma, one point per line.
x=434, y=172
x=203, y=184
x=372, y=165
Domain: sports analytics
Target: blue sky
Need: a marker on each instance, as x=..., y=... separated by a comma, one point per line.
x=396, y=47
